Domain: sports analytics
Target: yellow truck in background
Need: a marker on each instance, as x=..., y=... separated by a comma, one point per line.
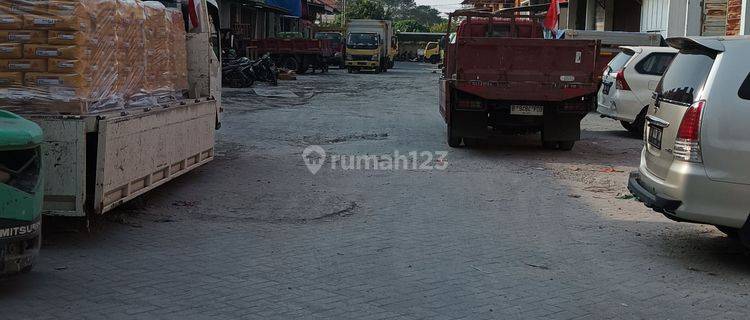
x=370, y=45
x=432, y=53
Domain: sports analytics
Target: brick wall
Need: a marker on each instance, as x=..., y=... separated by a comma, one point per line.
x=734, y=12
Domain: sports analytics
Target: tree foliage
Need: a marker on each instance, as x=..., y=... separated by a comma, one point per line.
x=409, y=26
x=408, y=16
x=398, y=9
x=442, y=27
x=425, y=15
x=365, y=9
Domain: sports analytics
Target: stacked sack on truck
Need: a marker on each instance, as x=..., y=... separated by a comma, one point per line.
x=86, y=56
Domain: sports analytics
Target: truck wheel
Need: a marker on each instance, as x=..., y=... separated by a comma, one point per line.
x=474, y=142
x=551, y=145
x=290, y=63
x=453, y=141
x=566, y=145
x=27, y=269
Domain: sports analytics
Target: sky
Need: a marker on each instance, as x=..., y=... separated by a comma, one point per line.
x=442, y=5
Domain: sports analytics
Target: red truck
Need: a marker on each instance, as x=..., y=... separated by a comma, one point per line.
x=501, y=75
x=295, y=54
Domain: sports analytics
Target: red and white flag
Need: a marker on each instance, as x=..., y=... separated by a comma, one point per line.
x=194, y=9
x=552, y=20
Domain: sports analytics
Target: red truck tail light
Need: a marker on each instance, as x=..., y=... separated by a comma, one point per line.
x=470, y=104
x=687, y=145
x=620, y=80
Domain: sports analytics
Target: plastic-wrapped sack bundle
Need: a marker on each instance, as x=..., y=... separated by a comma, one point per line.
x=86, y=56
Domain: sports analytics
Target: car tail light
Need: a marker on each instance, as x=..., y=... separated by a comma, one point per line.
x=687, y=145
x=620, y=80
x=469, y=104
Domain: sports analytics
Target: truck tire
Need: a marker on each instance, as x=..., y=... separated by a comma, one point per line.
x=566, y=145
x=475, y=142
x=290, y=63
x=550, y=145
x=453, y=141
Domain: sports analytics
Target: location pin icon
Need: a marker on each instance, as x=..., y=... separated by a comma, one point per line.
x=314, y=157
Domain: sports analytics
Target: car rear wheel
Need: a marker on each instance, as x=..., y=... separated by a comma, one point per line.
x=636, y=128
x=732, y=233
x=627, y=125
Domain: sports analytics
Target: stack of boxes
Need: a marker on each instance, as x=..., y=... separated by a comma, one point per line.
x=82, y=56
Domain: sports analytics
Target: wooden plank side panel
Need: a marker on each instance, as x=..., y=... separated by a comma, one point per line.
x=714, y=18
x=64, y=161
x=139, y=153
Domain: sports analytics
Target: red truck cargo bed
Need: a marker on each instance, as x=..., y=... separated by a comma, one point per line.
x=323, y=48
x=526, y=69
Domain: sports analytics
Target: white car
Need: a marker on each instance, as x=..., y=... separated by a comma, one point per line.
x=694, y=165
x=628, y=83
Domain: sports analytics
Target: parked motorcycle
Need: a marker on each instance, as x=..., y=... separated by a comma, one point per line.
x=265, y=70
x=237, y=73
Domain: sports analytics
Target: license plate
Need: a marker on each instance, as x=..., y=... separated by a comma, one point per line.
x=524, y=110
x=654, y=136
x=605, y=87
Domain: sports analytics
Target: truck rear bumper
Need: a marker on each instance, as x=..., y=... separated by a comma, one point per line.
x=19, y=245
x=362, y=64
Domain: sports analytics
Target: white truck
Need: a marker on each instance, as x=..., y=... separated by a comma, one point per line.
x=370, y=44
x=96, y=162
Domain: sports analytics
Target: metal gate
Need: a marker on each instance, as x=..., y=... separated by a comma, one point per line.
x=714, y=18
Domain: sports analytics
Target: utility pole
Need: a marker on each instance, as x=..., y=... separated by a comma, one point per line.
x=343, y=13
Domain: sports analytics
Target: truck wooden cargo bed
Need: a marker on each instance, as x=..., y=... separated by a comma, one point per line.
x=96, y=162
x=525, y=69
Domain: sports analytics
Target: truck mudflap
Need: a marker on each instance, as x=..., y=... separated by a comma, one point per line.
x=19, y=245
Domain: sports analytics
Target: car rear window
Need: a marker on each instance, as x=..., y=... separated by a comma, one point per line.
x=619, y=61
x=745, y=88
x=655, y=64
x=685, y=77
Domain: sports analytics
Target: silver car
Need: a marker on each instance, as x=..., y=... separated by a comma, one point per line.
x=694, y=165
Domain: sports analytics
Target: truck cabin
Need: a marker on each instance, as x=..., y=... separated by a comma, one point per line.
x=334, y=37
x=367, y=41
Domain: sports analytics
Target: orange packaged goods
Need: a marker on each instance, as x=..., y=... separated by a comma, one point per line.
x=88, y=56
x=52, y=22
x=18, y=65
x=8, y=79
x=35, y=51
x=66, y=37
x=66, y=66
x=11, y=51
x=21, y=7
x=10, y=21
x=23, y=36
